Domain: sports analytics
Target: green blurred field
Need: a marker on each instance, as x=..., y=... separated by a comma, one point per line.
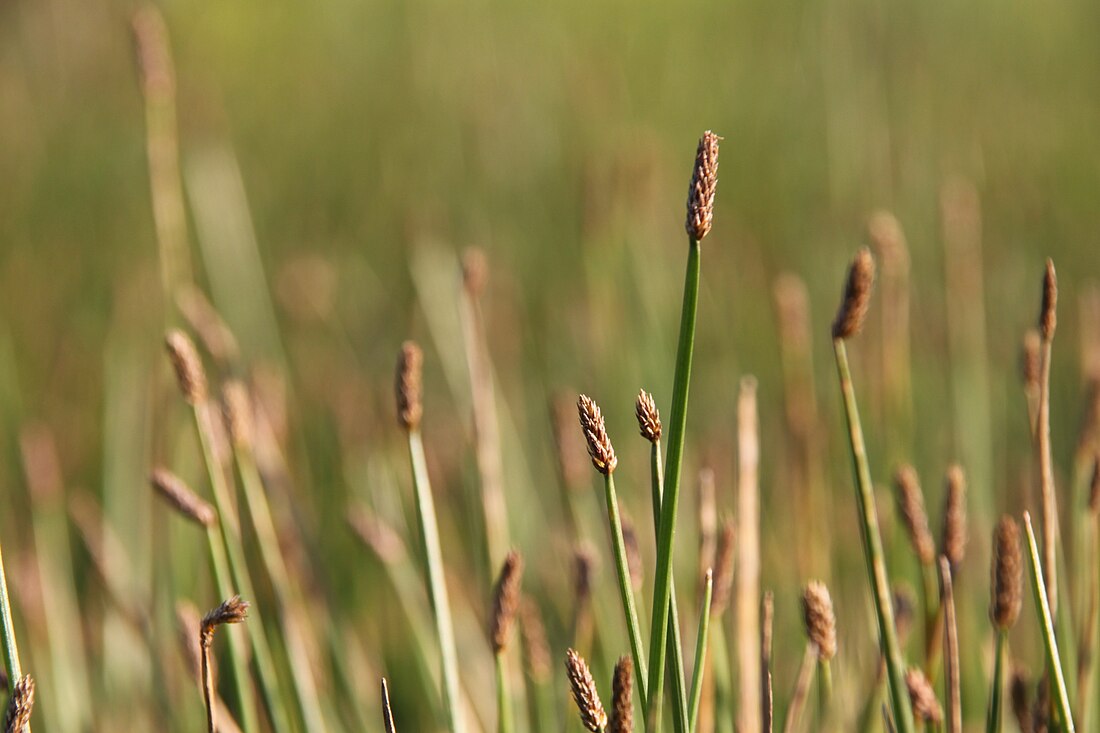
x=338, y=157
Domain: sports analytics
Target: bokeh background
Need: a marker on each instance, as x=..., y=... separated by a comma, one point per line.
x=335, y=161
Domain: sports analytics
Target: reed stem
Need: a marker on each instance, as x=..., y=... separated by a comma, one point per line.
x=504, y=702
x=995, y=715
x=7, y=629
x=700, y=652
x=626, y=590
x=951, y=651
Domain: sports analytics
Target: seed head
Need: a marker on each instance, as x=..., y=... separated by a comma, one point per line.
x=954, y=516
x=188, y=366
x=649, y=419
x=584, y=692
x=857, y=296
x=910, y=500
x=817, y=611
x=905, y=604
x=704, y=182
x=536, y=649
x=231, y=611
x=622, y=706
x=20, y=705
x=926, y=707
x=1020, y=695
x=1048, y=313
x=410, y=362
x=1007, y=577
x=506, y=597
x=178, y=494
x=237, y=410
x=723, y=570
x=595, y=432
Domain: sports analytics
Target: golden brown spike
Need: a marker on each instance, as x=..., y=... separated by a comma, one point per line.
x=20, y=705
x=506, y=597
x=177, y=493
x=237, y=409
x=1048, y=313
x=926, y=707
x=188, y=366
x=595, y=433
x=410, y=363
x=954, y=516
x=622, y=704
x=649, y=419
x=723, y=570
x=1007, y=574
x=817, y=612
x=704, y=182
x=857, y=296
x=584, y=692
x=536, y=648
x=387, y=711
x=910, y=500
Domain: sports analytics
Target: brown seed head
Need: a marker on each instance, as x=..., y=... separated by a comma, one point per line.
x=1007, y=574
x=704, y=182
x=536, y=648
x=649, y=419
x=410, y=363
x=910, y=500
x=190, y=374
x=1020, y=696
x=622, y=705
x=1094, y=485
x=20, y=705
x=237, y=410
x=926, y=707
x=954, y=516
x=817, y=612
x=595, y=432
x=231, y=611
x=584, y=692
x=905, y=604
x=1048, y=313
x=180, y=496
x=1030, y=359
x=857, y=296
x=475, y=271
x=584, y=568
x=888, y=240
x=723, y=570
x=506, y=597
x=633, y=553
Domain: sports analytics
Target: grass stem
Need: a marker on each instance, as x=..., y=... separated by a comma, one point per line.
x=700, y=652
x=994, y=716
x=626, y=590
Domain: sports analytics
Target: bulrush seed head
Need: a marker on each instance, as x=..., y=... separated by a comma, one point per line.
x=954, y=516
x=857, y=296
x=926, y=707
x=704, y=182
x=410, y=363
x=237, y=409
x=20, y=706
x=231, y=611
x=1007, y=574
x=188, y=366
x=584, y=692
x=649, y=420
x=595, y=432
x=506, y=598
x=1048, y=313
x=178, y=494
x=910, y=500
x=622, y=706
x=817, y=611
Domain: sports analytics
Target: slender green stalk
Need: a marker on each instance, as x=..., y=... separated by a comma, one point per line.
x=437, y=587
x=7, y=629
x=626, y=591
x=872, y=545
x=504, y=702
x=1054, y=662
x=951, y=651
x=662, y=588
x=994, y=715
x=700, y=653
x=824, y=692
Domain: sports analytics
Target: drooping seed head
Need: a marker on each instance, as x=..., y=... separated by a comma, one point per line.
x=536, y=649
x=506, y=597
x=231, y=611
x=595, y=433
x=179, y=495
x=622, y=704
x=584, y=692
x=649, y=419
x=1007, y=574
x=20, y=705
x=1030, y=359
x=817, y=612
x=857, y=296
x=1048, y=312
x=910, y=501
x=410, y=362
x=190, y=374
x=723, y=570
x=954, y=516
x=704, y=182
x=237, y=410
x=922, y=697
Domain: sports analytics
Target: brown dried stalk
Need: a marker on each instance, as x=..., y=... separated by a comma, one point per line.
x=387, y=711
x=179, y=495
x=231, y=611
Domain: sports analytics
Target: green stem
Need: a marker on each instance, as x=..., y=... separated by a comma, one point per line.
x=872, y=545
x=626, y=592
x=996, y=704
x=662, y=588
x=7, y=629
x=700, y=653
x=824, y=693
x=1054, y=662
x=504, y=703
x=437, y=587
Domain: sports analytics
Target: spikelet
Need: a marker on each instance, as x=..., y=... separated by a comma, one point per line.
x=1007, y=574
x=506, y=597
x=237, y=410
x=407, y=382
x=584, y=692
x=231, y=611
x=926, y=707
x=190, y=374
x=20, y=706
x=910, y=501
x=177, y=493
x=595, y=433
x=649, y=419
x=857, y=296
x=1048, y=312
x=954, y=516
x=622, y=704
x=704, y=182
x=817, y=612
x=723, y=570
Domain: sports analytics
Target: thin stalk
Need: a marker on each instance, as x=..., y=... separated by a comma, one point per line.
x=7, y=630
x=996, y=695
x=626, y=591
x=504, y=702
x=662, y=585
x=933, y=617
x=747, y=603
x=824, y=692
x=1049, y=514
x=700, y=653
x=437, y=587
x=1054, y=662
x=207, y=687
x=801, y=690
x=951, y=651
x=876, y=563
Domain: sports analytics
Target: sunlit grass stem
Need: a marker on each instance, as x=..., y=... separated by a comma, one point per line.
x=700, y=652
x=626, y=590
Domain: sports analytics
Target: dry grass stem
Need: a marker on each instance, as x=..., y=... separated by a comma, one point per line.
x=584, y=692
x=179, y=495
x=704, y=183
x=506, y=598
x=600, y=449
x=231, y=611
x=387, y=710
x=723, y=568
x=952, y=679
x=748, y=554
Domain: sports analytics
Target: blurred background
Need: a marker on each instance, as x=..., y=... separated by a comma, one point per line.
x=335, y=162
